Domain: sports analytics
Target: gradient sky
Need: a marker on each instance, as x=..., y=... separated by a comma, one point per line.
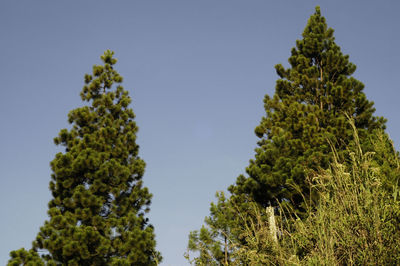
x=197, y=72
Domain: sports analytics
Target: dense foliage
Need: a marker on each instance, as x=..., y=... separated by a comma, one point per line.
x=310, y=105
x=97, y=214
x=356, y=220
x=305, y=127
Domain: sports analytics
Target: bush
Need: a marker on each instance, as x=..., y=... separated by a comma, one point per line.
x=355, y=221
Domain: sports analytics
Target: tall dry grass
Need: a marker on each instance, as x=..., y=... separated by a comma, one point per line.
x=355, y=222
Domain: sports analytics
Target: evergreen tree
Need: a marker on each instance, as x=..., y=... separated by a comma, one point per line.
x=214, y=241
x=309, y=108
x=307, y=116
x=97, y=214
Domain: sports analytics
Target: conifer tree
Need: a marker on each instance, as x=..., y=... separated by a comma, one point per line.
x=97, y=214
x=213, y=242
x=307, y=116
x=310, y=106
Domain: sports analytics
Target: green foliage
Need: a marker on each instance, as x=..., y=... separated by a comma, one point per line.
x=23, y=257
x=305, y=127
x=355, y=222
x=309, y=106
x=213, y=243
x=97, y=214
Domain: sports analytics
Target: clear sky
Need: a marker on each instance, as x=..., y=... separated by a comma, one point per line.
x=197, y=72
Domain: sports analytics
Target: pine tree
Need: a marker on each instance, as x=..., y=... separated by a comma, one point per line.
x=213, y=242
x=308, y=110
x=307, y=116
x=97, y=214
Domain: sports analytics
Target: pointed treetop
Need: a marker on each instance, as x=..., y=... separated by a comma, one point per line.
x=107, y=57
x=317, y=11
x=103, y=77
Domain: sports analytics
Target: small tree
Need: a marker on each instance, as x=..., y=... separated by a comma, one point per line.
x=213, y=243
x=97, y=214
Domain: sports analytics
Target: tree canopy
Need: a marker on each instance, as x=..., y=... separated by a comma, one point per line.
x=312, y=100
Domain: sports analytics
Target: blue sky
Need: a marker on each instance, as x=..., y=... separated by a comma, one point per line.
x=197, y=72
